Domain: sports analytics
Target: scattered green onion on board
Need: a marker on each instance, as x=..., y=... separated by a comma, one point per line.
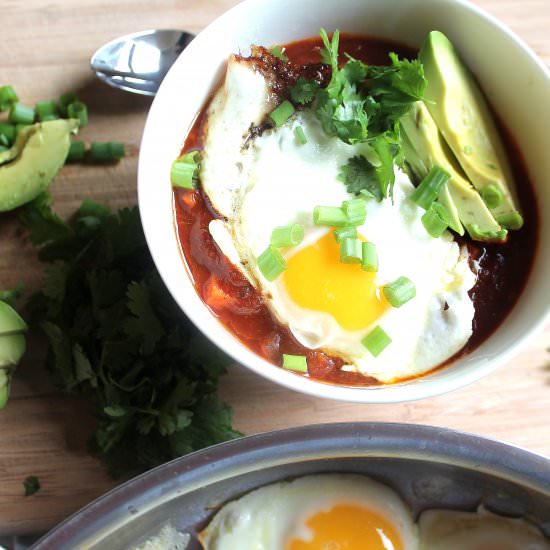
x=399, y=292
x=76, y=151
x=300, y=135
x=21, y=114
x=333, y=216
x=78, y=110
x=7, y=130
x=492, y=196
x=282, y=113
x=296, y=363
x=376, y=341
x=346, y=232
x=7, y=97
x=106, y=151
x=436, y=219
x=369, y=257
x=287, y=235
x=355, y=210
x=184, y=170
x=65, y=100
x=350, y=251
x=429, y=188
x=46, y=110
x=271, y=263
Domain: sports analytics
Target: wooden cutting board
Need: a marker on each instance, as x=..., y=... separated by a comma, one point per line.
x=44, y=52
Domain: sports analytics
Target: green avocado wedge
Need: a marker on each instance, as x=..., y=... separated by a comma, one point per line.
x=424, y=147
x=10, y=320
x=22, y=138
x=12, y=348
x=462, y=115
x=36, y=164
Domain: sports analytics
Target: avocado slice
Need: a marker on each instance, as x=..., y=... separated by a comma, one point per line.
x=22, y=138
x=12, y=348
x=462, y=115
x=424, y=147
x=10, y=320
x=32, y=170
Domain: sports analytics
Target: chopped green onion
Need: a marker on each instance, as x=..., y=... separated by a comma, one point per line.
x=511, y=220
x=350, y=251
x=429, y=188
x=7, y=97
x=8, y=130
x=65, y=100
x=21, y=114
x=369, y=258
x=329, y=215
x=271, y=263
x=492, y=196
x=106, y=151
x=282, y=113
x=287, y=235
x=355, y=210
x=300, y=135
x=184, y=170
x=376, y=341
x=295, y=362
x=76, y=151
x=78, y=110
x=277, y=51
x=436, y=219
x=346, y=232
x=46, y=110
x=4, y=140
x=399, y=292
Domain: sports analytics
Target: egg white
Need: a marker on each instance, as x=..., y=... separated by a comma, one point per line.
x=274, y=180
x=452, y=530
x=268, y=517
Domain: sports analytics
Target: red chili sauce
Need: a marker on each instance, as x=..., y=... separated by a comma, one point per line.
x=503, y=268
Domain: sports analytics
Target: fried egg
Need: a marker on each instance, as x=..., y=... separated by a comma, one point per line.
x=450, y=530
x=260, y=181
x=320, y=512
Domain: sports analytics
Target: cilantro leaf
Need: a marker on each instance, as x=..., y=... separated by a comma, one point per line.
x=359, y=177
x=304, y=91
x=278, y=52
x=116, y=336
x=32, y=485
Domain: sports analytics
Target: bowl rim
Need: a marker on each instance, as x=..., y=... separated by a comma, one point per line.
x=317, y=441
x=429, y=385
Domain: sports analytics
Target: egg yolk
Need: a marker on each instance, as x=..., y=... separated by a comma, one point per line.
x=349, y=527
x=316, y=279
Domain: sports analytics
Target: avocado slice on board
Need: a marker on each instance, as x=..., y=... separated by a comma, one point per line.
x=424, y=147
x=12, y=348
x=10, y=320
x=463, y=117
x=32, y=170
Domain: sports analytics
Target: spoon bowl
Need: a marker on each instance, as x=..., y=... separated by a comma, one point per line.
x=139, y=61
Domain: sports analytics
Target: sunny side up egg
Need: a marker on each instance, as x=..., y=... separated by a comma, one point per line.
x=259, y=182
x=323, y=512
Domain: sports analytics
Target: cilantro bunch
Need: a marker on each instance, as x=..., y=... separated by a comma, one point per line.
x=363, y=104
x=116, y=336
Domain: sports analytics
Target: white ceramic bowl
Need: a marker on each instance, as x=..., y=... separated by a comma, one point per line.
x=517, y=83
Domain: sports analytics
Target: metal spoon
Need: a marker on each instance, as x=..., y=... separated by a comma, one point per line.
x=138, y=62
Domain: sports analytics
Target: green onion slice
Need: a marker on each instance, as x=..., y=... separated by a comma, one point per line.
x=429, y=188
x=271, y=263
x=492, y=196
x=7, y=97
x=333, y=216
x=369, y=257
x=346, y=232
x=185, y=169
x=399, y=292
x=78, y=110
x=106, y=151
x=76, y=151
x=376, y=341
x=300, y=135
x=355, y=210
x=350, y=251
x=282, y=113
x=287, y=235
x=65, y=100
x=296, y=363
x=46, y=110
x=8, y=130
x=436, y=219
x=21, y=114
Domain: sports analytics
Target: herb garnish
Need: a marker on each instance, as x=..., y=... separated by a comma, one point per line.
x=116, y=336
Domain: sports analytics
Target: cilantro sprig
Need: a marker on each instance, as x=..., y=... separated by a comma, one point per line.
x=116, y=336
x=363, y=104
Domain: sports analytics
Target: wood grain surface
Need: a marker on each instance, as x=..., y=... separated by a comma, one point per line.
x=44, y=51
